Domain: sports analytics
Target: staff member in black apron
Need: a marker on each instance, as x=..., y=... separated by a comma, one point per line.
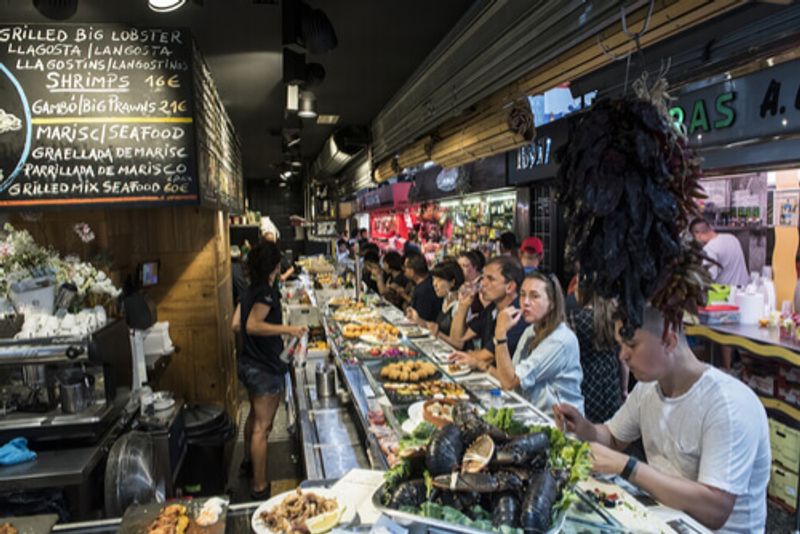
x=259, y=320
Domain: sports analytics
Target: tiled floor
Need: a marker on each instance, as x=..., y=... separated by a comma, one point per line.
x=285, y=469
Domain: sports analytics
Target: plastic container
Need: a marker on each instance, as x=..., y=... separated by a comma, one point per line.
x=719, y=314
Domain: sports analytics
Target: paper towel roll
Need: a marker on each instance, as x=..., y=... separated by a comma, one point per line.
x=751, y=307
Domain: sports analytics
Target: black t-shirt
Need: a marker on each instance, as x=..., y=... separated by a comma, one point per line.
x=425, y=301
x=369, y=281
x=484, y=324
x=445, y=321
x=399, y=279
x=264, y=350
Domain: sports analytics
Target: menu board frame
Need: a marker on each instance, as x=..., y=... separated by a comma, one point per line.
x=106, y=116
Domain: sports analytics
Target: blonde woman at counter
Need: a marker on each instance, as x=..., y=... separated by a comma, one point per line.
x=546, y=365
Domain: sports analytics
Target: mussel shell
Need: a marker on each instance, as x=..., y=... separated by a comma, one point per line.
x=444, y=450
x=506, y=511
x=408, y=493
x=535, y=516
x=478, y=455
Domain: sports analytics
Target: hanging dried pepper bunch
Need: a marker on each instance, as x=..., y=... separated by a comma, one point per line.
x=629, y=184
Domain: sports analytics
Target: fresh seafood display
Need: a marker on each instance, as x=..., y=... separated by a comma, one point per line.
x=292, y=513
x=408, y=371
x=490, y=480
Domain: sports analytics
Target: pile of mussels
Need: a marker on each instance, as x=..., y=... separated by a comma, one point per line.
x=474, y=463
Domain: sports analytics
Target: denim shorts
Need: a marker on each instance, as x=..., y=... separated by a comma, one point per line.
x=258, y=380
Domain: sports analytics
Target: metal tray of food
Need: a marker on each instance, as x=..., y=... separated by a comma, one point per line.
x=406, y=518
x=375, y=368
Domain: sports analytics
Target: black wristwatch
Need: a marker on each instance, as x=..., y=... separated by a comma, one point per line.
x=629, y=468
x=500, y=341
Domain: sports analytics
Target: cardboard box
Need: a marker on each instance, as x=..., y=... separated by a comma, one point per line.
x=785, y=444
x=783, y=486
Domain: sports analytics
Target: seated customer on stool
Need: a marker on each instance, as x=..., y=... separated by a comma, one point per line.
x=547, y=363
x=705, y=433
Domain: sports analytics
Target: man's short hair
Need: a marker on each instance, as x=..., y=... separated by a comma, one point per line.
x=654, y=323
x=510, y=268
x=416, y=262
x=700, y=224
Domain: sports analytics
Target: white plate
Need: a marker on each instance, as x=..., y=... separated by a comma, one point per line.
x=259, y=527
x=464, y=371
x=409, y=425
x=415, y=411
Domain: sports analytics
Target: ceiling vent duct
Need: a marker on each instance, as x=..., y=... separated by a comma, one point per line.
x=339, y=149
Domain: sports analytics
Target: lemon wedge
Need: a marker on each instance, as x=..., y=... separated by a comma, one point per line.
x=324, y=522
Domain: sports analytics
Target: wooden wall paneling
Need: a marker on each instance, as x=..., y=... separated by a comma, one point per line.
x=194, y=292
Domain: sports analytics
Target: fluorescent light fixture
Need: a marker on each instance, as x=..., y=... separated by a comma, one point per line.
x=292, y=97
x=327, y=119
x=296, y=163
x=165, y=6
x=293, y=141
x=307, y=110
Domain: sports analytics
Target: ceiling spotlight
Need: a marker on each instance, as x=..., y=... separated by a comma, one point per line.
x=296, y=163
x=293, y=141
x=285, y=175
x=165, y=6
x=307, y=110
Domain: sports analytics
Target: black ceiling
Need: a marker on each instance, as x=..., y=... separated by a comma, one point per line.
x=381, y=42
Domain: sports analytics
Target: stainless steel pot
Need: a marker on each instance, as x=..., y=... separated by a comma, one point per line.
x=326, y=380
x=74, y=397
x=75, y=389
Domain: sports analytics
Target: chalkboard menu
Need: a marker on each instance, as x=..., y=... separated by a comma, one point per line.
x=219, y=152
x=105, y=115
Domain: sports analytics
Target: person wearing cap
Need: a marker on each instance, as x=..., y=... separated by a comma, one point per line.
x=508, y=244
x=531, y=253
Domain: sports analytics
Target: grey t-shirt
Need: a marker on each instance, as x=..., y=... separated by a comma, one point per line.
x=726, y=250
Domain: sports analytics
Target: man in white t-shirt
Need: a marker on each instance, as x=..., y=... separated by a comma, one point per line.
x=725, y=250
x=705, y=433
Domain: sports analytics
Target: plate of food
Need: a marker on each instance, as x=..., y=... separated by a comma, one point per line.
x=408, y=371
x=387, y=351
x=457, y=369
x=313, y=511
x=438, y=412
x=405, y=393
x=182, y=516
x=415, y=332
x=379, y=338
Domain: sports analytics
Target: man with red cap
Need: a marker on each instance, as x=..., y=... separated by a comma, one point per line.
x=531, y=253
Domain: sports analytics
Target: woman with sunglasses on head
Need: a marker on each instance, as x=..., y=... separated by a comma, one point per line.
x=546, y=365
